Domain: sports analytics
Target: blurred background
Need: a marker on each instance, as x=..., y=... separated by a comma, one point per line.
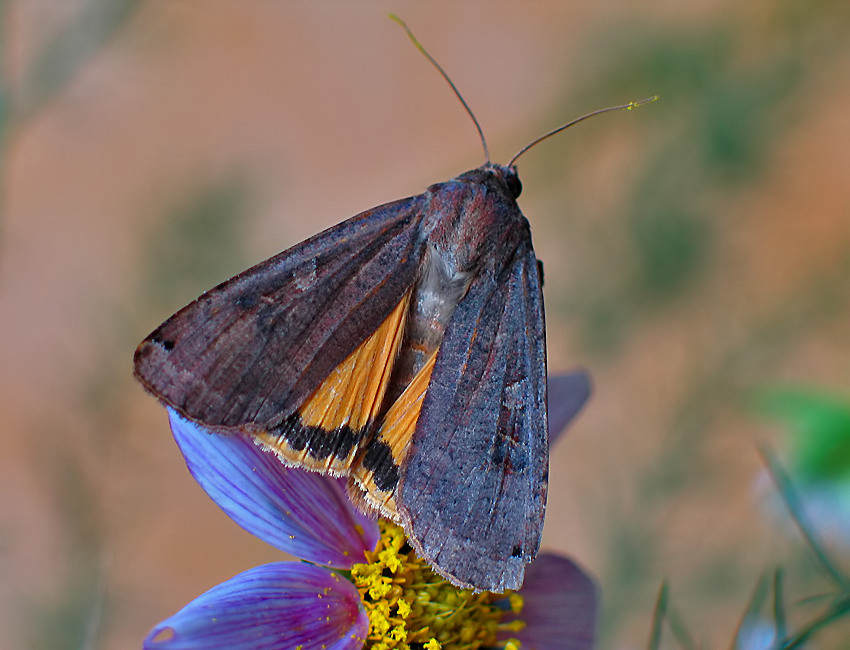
x=697, y=255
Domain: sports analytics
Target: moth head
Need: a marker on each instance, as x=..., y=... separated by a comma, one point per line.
x=510, y=177
x=503, y=178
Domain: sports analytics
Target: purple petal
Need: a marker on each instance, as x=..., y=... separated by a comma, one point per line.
x=560, y=606
x=280, y=605
x=299, y=512
x=568, y=392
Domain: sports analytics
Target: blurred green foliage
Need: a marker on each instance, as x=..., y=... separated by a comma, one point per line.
x=64, y=53
x=724, y=103
x=199, y=242
x=73, y=616
x=89, y=29
x=729, y=89
x=818, y=426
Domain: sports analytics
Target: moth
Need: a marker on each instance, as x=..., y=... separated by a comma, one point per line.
x=404, y=349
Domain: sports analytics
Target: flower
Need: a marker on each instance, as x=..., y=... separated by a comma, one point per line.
x=361, y=585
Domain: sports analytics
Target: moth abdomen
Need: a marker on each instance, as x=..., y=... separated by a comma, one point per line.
x=440, y=288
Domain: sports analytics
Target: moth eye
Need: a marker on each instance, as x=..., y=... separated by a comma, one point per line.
x=514, y=184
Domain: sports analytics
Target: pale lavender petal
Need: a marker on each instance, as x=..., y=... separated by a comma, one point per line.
x=271, y=607
x=299, y=512
x=756, y=634
x=568, y=393
x=559, y=606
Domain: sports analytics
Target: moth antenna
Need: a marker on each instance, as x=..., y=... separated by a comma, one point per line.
x=627, y=107
x=422, y=49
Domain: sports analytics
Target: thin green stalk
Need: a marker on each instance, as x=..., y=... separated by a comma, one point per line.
x=658, y=617
x=779, y=618
x=795, y=507
x=839, y=608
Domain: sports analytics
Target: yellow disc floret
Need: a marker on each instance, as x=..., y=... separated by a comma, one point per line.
x=411, y=607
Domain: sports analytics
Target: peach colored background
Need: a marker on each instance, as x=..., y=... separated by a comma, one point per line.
x=327, y=110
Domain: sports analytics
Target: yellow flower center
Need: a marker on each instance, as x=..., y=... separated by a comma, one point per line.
x=410, y=607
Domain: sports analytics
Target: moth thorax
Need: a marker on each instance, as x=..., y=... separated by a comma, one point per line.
x=435, y=296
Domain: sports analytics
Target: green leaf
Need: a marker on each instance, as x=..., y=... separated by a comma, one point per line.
x=819, y=428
